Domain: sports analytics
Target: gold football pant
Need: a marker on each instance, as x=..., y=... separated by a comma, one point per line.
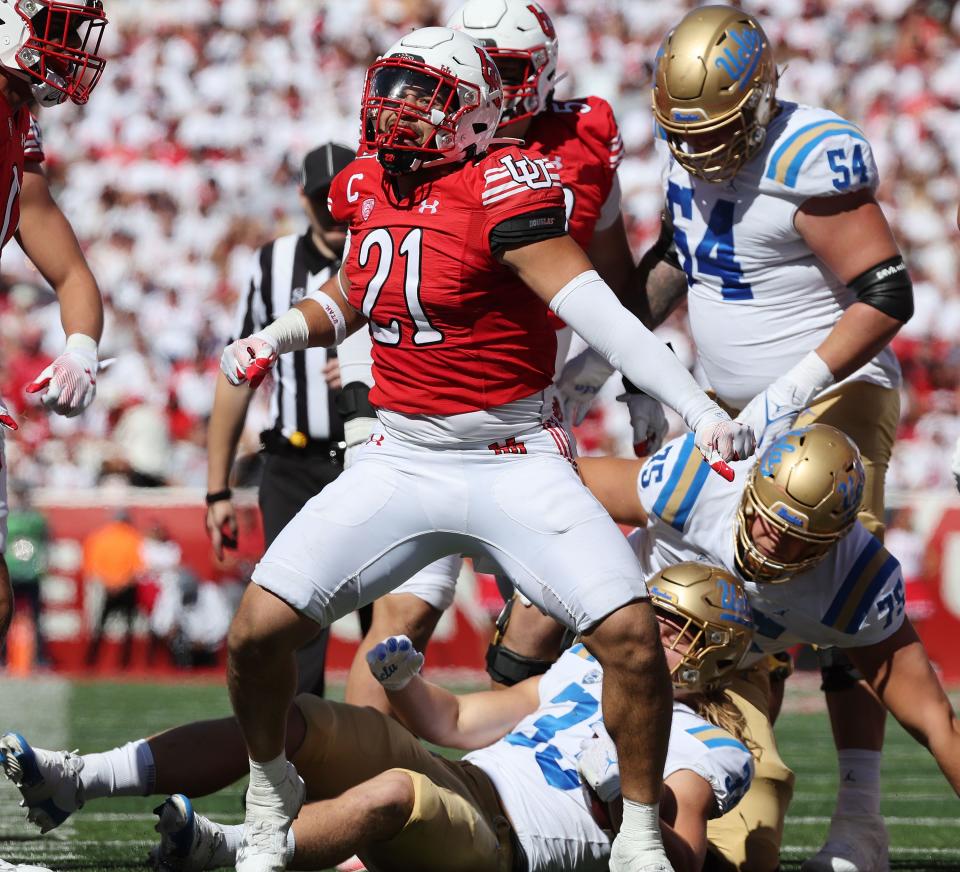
x=869, y=415
x=457, y=823
x=748, y=837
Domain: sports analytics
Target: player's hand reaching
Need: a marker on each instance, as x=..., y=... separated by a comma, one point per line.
x=647, y=419
x=394, y=662
x=69, y=384
x=721, y=440
x=598, y=765
x=249, y=359
x=579, y=383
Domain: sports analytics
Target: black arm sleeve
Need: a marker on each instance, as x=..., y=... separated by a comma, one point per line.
x=529, y=227
x=887, y=287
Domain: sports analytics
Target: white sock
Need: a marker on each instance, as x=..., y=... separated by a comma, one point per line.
x=226, y=855
x=859, y=791
x=125, y=771
x=266, y=777
x=641, y=826
x=291, y=845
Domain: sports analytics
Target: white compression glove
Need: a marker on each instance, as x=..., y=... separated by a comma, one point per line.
x=648, y=421
x=394, y=662
x=579, y=382
x=774, y=410
x=598, y=765
x=71, y=380
x=588, y=305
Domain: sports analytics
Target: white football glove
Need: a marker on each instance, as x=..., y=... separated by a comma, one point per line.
x=394, y=662
x=648, y=421
x=249, y=359
x=774, y=411
x=955, y=465
x=721, y=440
x=579, y=383
x=597, y=762
x=69, y=384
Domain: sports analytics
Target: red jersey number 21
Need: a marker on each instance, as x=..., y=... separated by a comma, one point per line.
x=409, y=249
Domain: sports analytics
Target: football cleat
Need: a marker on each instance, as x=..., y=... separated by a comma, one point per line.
x=48, y=781
x=855, y=843
x=263, y=847
x=21, y=867
x=189, y=842
x=354, y=864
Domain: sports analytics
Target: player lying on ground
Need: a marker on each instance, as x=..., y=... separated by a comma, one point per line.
x=517, y=801
x=813, y=574
x=456, y=252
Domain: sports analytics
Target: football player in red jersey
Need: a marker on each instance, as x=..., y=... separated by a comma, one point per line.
x=48, y=54
x=454, y=249
x=581, y=141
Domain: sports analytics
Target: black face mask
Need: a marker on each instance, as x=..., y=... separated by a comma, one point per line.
x=397, y=162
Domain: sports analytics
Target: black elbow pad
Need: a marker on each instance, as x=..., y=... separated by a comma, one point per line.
x=887, y=287
x=353, y=402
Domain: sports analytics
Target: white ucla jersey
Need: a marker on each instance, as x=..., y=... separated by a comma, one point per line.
x=851, y=598
x=534, y=767
x=759, y=299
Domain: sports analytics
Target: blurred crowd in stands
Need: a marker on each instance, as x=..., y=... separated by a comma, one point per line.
x=186, y=159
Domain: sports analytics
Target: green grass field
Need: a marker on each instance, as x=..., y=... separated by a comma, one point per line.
x=920, y=809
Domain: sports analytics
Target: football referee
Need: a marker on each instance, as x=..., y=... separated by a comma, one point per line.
x=303, y=450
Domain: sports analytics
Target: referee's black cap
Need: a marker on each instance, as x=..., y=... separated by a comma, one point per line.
x=322, y=164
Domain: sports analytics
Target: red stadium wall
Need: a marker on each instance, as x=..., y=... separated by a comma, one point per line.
x=933, y=599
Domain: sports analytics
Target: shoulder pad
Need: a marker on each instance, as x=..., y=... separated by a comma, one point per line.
x=344, y=199
x=819, y=154
x=596, y=126
x=671, y=480
x=510, y=171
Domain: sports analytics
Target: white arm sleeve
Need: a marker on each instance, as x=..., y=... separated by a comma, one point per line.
x=588, y=305
x=355, y=356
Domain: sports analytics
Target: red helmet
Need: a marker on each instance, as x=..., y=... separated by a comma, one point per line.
x=432, y=97
x=53, y=45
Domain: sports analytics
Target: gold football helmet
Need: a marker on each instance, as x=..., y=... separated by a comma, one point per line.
x=710, y=608
x=807, y=486
x=714, y=90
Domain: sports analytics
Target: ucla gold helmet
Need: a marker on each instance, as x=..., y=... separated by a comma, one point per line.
x=709, y=607
x=714, y=90
x=806, y=490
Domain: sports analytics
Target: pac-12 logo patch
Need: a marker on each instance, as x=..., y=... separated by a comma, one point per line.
x=366, y=210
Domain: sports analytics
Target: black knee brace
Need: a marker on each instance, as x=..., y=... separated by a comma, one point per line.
x=837, y=673
x=507, y=667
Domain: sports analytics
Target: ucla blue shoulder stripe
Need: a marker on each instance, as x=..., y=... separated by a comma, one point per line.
x=716, y=737
x=870, y=571
x=788, y=159
x=686, y=480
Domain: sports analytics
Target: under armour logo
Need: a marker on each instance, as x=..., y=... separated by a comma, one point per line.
x=376, y=440
x=432, y=205
x=508, y=446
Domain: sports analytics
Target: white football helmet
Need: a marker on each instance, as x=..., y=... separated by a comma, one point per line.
x=53, y=45
x=521, y=39
x=433, y=97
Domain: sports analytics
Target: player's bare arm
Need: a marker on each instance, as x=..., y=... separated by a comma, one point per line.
x=610, y=254
x=900, y=673
x=230, y=404
x=850, y=236
x=657, y=285
x=688, y=803
x=49, y=241
x=560, y=274
x=613, y=481
x=467, y=722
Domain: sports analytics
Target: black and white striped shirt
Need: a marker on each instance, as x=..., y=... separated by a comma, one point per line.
x=284, y=271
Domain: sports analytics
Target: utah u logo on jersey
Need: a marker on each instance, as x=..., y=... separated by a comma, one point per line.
x=533, y=173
